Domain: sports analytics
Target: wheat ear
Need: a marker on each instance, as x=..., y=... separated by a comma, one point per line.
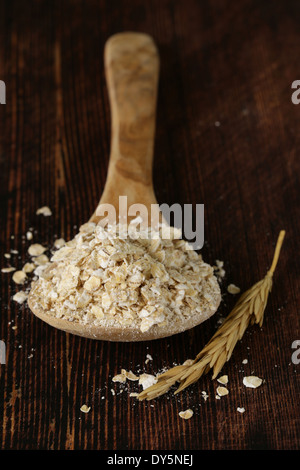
x=249, y=309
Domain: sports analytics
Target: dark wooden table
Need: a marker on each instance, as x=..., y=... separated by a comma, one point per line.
x=228, y=137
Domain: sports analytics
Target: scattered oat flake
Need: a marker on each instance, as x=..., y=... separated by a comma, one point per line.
x=29, y=235
x=45, y=211
x=19, y=277
x=241, y=410
x=41, y=260
x=232, y=289
x=8, y=270
x=14, y=252
x=112, y=391
x=187, y=414
x=28, y=267
x=148, y=358
x=245, y=361
x=119, y=378
x=7, y=255
x=59, y=243
x=85, y=408
x=129, y=375
x=223, y=380
x=134, y=394
x=14, y=327
x=252, y=381
x=147, y=380
x=204, y=395
x=219, y=270
x=36, y=249
x=222, y=391
x=20, y=297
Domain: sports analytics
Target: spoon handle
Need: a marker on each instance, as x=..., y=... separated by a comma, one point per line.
x=132, y=69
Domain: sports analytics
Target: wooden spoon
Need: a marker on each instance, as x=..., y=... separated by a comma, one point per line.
x=132, y=68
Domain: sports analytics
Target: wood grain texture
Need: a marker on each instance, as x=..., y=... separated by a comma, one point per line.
x=132, y=70
x=227, y=136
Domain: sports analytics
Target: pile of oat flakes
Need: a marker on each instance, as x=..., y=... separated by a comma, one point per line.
x=124, y=275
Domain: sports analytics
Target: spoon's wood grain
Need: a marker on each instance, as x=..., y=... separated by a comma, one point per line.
x=132, y=69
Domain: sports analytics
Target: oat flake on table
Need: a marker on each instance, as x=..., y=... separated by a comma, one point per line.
x=19, y=277
x=29, y=235
x=223, y=379
x=252, y=381
x=8, y=270
x=187, y=414
x=20, y=297
x=36, y=249
x=85, y=408
x=222, y=391
x=28, y=267
x=147, y=380
x=45, y=211
x=121, y=378
x=233, y=289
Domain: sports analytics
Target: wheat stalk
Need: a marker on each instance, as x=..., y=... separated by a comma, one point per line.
x=248, y=310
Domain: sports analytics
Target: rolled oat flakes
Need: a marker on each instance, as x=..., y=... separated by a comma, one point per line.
x=123, y=276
